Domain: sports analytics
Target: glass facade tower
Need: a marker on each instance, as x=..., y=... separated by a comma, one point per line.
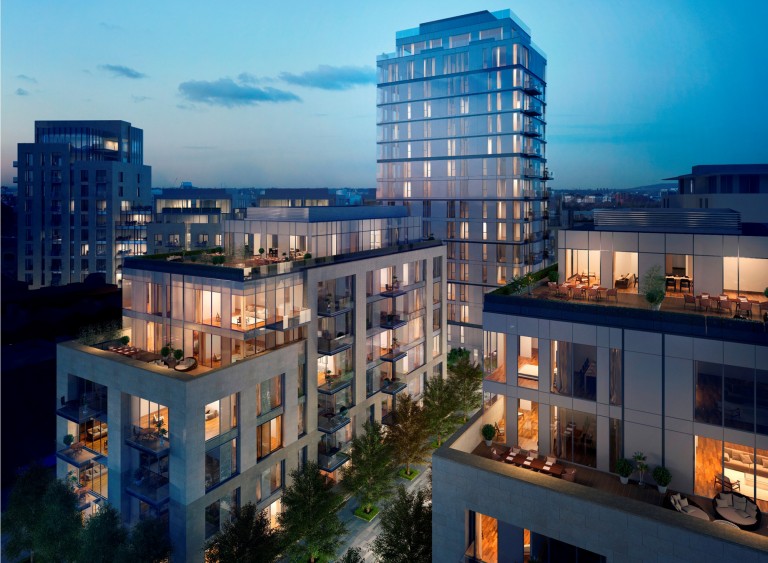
x=461, y=142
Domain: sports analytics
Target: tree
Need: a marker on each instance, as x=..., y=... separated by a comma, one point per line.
x=406, y=529
x=456, y=354
x=103, y=535
x=352, y=555
x=24, y=508
x=370, y=474
x=408, y=436
x=248, y=537
x=56, y=534
x=466, y=380
x=310, y=519
x=149, y=542
x=439, y=405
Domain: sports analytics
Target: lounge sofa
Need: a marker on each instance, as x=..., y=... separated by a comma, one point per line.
x=97, y=432
x=685, y=506
x=745, y=462
x=739, y=509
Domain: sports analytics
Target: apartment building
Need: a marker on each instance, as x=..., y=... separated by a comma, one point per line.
x=188, y=218
x=582, y=373
x=741, y=187
x=461, y=136
x=282, y=358
x=84, y=201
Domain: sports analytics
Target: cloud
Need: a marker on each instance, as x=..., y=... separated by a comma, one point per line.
x=122, y=71
x=110, y=26
x=22, y=92
x=139, y=99
x=228, y=93
x=26, y=78
x=328, y=77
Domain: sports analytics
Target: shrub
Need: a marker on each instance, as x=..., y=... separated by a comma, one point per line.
x=165, y=351
x=178, y=354
x=662, y=476
x=554, y=276
x=308, y=256
x=653, y=285
x=488, y=431
x=125, y=340
x=68, y=439
x=624, y=467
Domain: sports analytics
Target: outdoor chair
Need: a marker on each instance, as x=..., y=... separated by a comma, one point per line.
x=685, y=283
x=704, y=303
x=613, y=292
x=688, y=299
x=671, y=283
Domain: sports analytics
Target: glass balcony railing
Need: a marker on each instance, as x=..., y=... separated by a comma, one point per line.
x=332, y=306
x=146, y=440
x=336, y=382
x=331, y=346
x=330, y=458
x=88, y=407
x=76, y=454
x=293, y=319
x=394, y=354
x=149, y=486
x=393, y=386
x=329, y=422
x=392, y=320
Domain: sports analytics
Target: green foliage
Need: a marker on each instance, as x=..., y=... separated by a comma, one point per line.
x=488, y=431
x=624, y=467
x=102, y=536
x=439, y=405
x=352, y=555
x=456, y=354
x=261, y=251
x=178, y=354
x=165, y=351
x=466, y=379
x=406, y=529
x=403, y=472
x=553, y=275
x=653, y=285
x=308, y=256
x=310, y=519
x=248, y=537
x=97, y=333
x=149, y=542
x=124, y=340
x=68, y=439
x=24, y=505
x=367, y=516
x=409, y=434
x=55, y=535
x=662, y=475
x=370, y=474
x=519, y=283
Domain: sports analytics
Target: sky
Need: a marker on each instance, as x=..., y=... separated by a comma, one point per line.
x=244, y=93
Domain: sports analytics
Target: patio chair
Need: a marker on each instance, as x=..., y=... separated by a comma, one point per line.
x=671, y=283
x=704, y=303
x=689, y=299
x=613, y=292
x=592, y=294
x=745, y=307
x=685, y=283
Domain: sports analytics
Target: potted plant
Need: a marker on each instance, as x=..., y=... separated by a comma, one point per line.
x=261, y=251
x=162, y=432
x=653, y=287
x=328, y=377
x=640, y=465
x=125, y=340
x=68, y=440
x=165, y=351
x=662, y=476
x=489, y=432
x=395, y=282
x=178, y=354
x=624, y=469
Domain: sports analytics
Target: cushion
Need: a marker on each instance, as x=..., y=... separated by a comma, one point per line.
x=765, y=463
x=683, y=502
x=727, y=456
x=721, y=503
x=751, y=509
x=676, y=497
x=728, y=497
x=688, y=509
x=746, y=458
x=551, y=460
x=739, y=503
x=676, y=504
x=741, y=513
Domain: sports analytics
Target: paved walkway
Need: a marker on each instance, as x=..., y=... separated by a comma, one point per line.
x=361, y=533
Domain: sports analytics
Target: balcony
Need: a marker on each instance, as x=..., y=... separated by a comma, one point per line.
x=388, y=419
x=77, y=455
x=393, y=290
x=331, y=457
x=332, y=346
x=329, y=422
x=85, y=409
x=373, y=379
x=392, y=321
x=547, y=175
x=393, y=386
x=532, y=109
x=531, y=172
x=393, y=355
x=149, y=486
x=336, y=382
x=146, y=440
x=530, y=131
x=532, y=152
x=334, y=306
x=294, y=319
x=532, y=87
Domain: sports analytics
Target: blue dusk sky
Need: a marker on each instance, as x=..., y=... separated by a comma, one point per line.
x=244, y=93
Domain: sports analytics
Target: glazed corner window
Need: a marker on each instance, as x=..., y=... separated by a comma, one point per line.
x=220, y=463
x=221, y=416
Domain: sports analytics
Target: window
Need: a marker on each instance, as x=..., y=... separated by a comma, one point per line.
x=221, y=416
x=220, y=463
x=269, y=395
x=220, y=512
x=270, y=481
x=269, y=437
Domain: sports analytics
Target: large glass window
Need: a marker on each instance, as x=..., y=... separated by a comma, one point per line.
x=221, y=416
x=494, y=356
x=269, y=437
x=739, y=398
x=573, y=436
x=528, y=424
x=270, y=481
x=709, y=392
x=616, y=380
x=220, y=463
x=528, y=362
x=221, y=511
x=269, y=395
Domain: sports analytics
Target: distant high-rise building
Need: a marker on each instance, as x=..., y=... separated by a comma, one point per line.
x=84, y=201
x=461, y=142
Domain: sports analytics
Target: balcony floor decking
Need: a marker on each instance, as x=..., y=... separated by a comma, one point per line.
x=610, y=483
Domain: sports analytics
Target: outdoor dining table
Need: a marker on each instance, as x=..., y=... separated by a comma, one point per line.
x=536, y=464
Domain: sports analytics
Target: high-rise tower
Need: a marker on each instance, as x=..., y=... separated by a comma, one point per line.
x=461, y=142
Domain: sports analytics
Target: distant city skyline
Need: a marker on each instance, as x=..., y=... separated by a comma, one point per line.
x=285, y=95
